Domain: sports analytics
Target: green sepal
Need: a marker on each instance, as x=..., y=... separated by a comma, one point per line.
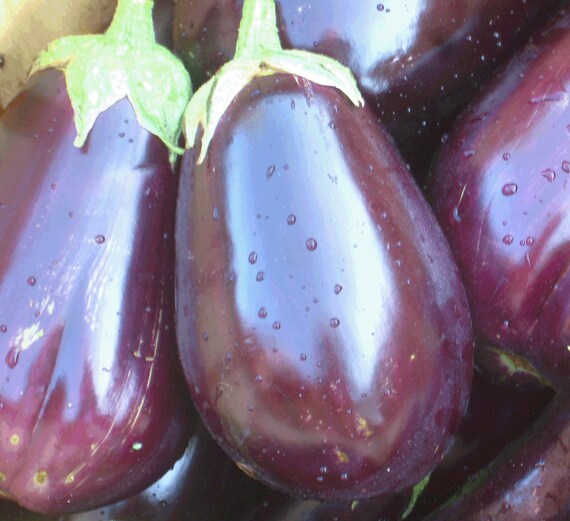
x=259, y=54
x=416, y=493
x=103, y=69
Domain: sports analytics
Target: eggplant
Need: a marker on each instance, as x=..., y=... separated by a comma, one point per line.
x=479, y=441
x=322, y=324
x=499, y=187
x=93, y=406
x=204, y=484
x=529, y=481
x=418, y=63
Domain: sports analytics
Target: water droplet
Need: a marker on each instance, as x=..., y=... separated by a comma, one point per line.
x=292, y=104
x=121, y=134
x=260, y=276
x=3, y=328
x=444, y=138
x=311, y=244
x=205, y=336
x=53, y=186
x=529, y=241
x=548, y=97
x=99, y=239
x=276, y=325
x=32, y=281
x=262, y=313
x=320, y=479
x=215, y=213
x=510, y=189
x=12, y=357
x=302, y=357
x=566, y=167
x=549, y=175
x=380, y=7
x=70, y=214
x=468, y=153
x=291, y=219
x=258, y=378
x=334, y=322
x=455, y=214
x=270, y=171
x=508, y=239
x=344, y=476
x=506, y=156
x=163, y=503
x=252, y=258
x=337, y=289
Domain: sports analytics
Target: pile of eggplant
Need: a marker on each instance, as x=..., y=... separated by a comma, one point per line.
x=269, y=260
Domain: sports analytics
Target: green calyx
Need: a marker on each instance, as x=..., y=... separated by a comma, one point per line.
x=416, y=493
x=259, y=53
x=125, y=61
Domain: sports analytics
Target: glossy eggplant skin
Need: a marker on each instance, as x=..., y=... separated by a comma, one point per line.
x=417, y=63
x=321, y=321
x=529, y=481
x=204, y=484
x=93, y=406
x=500, y=190
x=479, y=441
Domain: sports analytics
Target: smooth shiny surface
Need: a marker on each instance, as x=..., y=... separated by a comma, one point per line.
x=418, y=62
x=322, y=325
x=529, y=481
x=501, y=188
x=92, y=402
x=203, y=485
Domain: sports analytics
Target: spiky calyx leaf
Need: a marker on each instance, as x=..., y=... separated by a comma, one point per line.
x=259, y=53
x=125, y=61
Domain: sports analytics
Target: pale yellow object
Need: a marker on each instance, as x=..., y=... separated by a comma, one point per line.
x=27, y=26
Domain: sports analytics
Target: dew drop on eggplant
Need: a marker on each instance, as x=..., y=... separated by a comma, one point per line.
x=549, y=175
x=311, y=244
x=509, y=189
x=12, y=357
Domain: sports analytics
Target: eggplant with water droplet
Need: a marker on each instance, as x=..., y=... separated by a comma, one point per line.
x=321, y=321
x=500, y=188
x=204, y=484
x=93, y=406
x=528, y=481
x=418, y=63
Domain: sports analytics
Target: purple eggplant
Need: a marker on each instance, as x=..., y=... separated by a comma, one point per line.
x=203, y=485
x=418, y=63
x=500, y=190
x=478, y=441
x=321, y=321
x=530, y=481
x=93, y=406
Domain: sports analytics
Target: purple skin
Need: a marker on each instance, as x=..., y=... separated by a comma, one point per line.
x=321, y=321
x=418, y=66
x=530, y=481
x=500, y=190
x=93, y=406
x=478, y=441
x=203, y=485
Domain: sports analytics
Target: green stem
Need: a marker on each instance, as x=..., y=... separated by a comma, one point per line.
x=259, y=53
x=258, y=30
x=133, y=22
